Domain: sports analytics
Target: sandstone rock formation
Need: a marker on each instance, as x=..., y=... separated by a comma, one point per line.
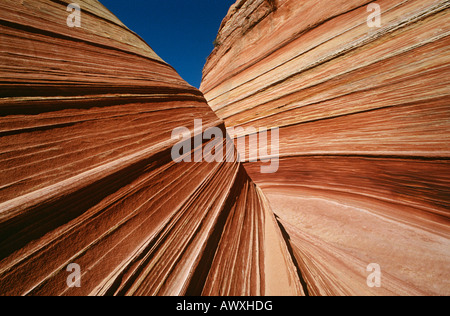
x=364, y=120
x=87, y=178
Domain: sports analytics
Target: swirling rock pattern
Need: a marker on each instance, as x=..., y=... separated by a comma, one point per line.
x=86, y=116
x=87, y=177
x=364, y=122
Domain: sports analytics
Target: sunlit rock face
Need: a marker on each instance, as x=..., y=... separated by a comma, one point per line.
x=87, y=179
x=361, y=96
x=358, y=204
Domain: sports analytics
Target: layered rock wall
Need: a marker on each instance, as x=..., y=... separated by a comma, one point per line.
x=364, y=122
x=87, y=177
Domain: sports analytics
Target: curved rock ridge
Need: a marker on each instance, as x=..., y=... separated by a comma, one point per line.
x=364, y=146
x=87, y=177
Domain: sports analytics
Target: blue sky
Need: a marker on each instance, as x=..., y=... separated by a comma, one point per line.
x=181, y=32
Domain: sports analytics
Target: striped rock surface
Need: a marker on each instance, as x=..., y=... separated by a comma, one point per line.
x=87, y=177
x=364, y=120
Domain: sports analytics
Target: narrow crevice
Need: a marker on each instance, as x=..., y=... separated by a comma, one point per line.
x=198, y=280
x=287, y=240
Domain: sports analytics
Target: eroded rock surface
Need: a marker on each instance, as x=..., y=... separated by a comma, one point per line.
x=87, y=177
x=364, y=122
